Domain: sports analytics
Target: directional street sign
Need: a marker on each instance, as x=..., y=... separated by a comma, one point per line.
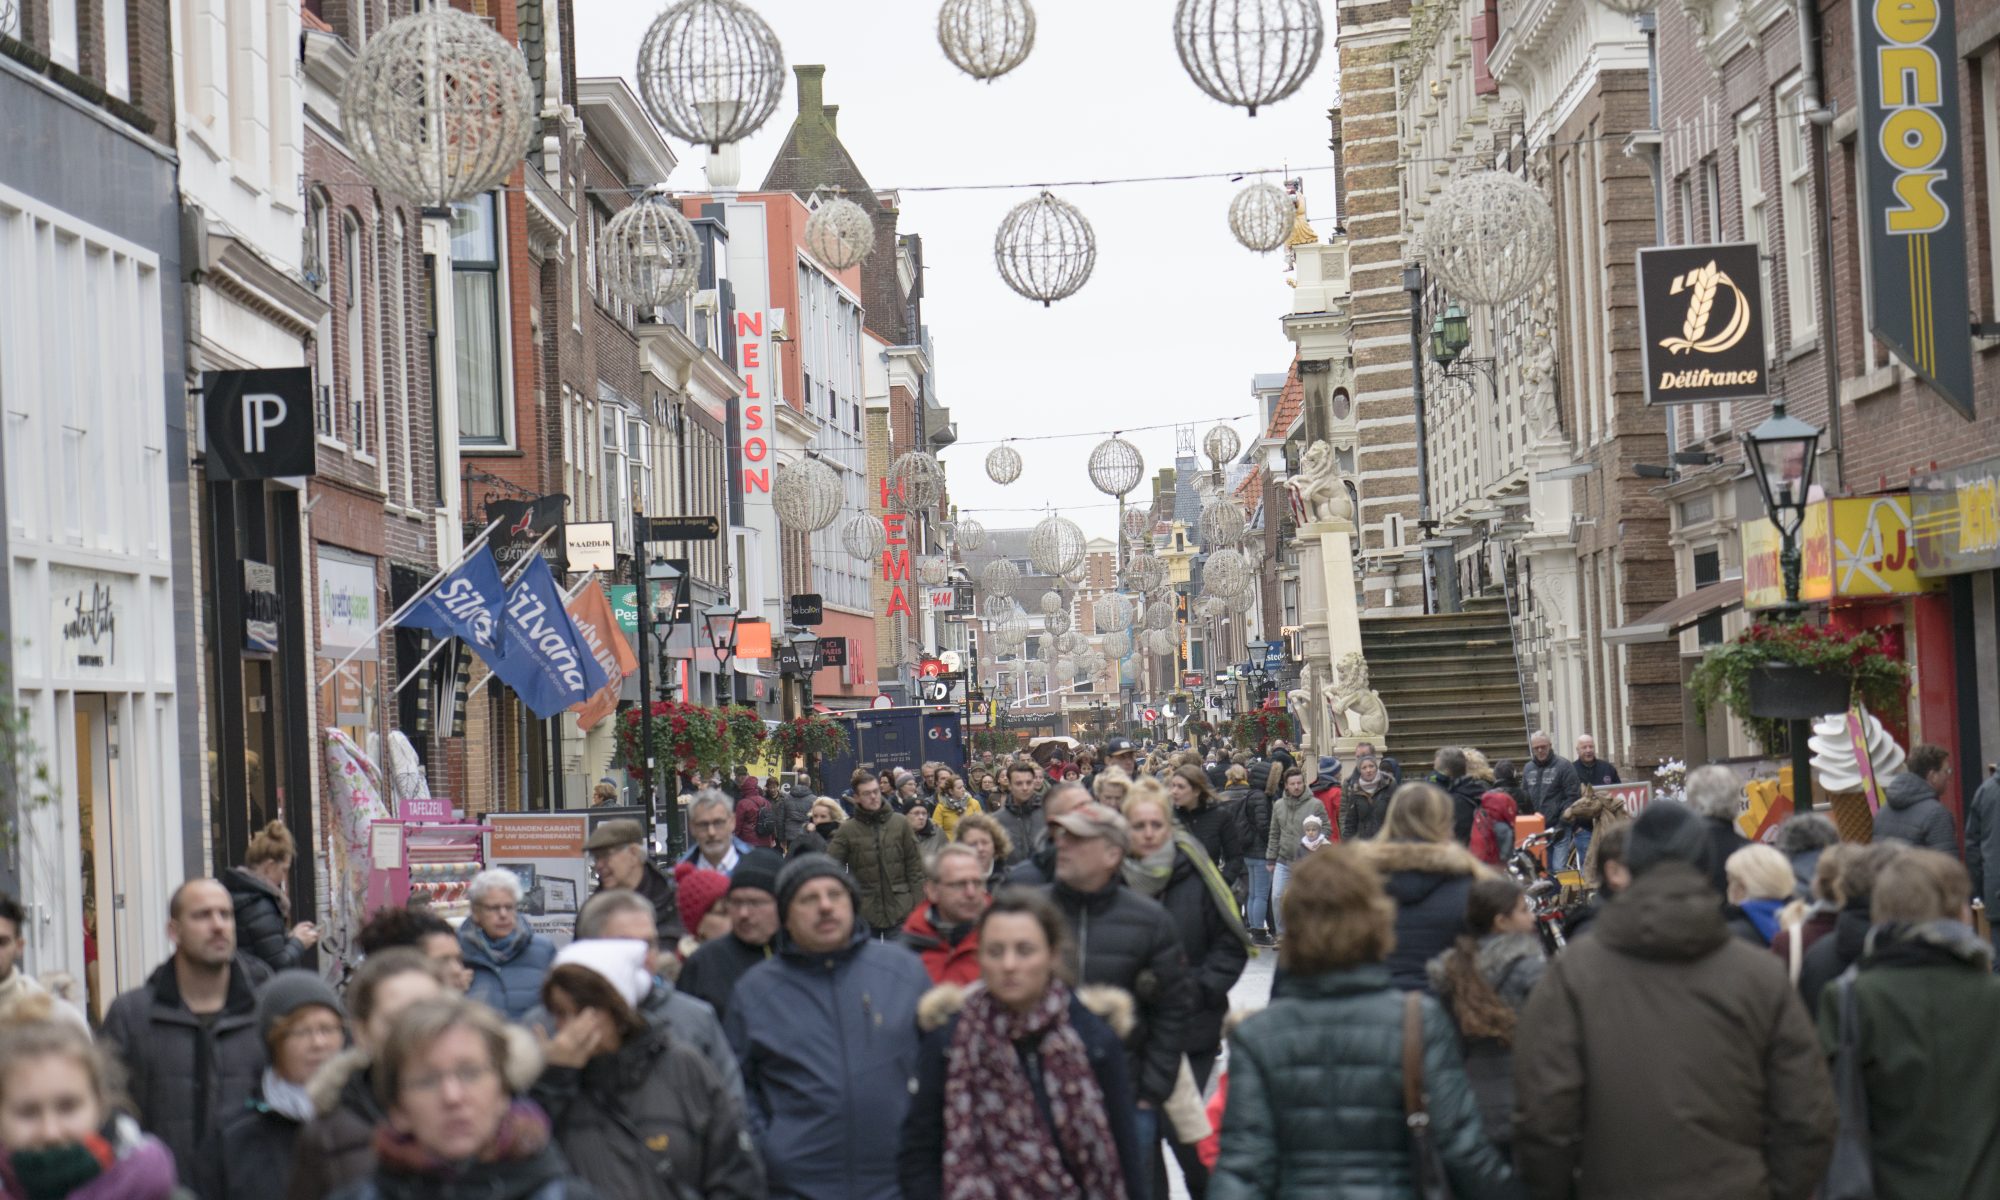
x=679, y=529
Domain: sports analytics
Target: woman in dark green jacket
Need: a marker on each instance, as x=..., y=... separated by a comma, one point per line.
x=1315, y=1104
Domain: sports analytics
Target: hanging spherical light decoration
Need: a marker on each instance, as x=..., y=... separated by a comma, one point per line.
x=1016, y=627
x=438, y=107
x=1143, y=572
x=1057, y=622
x=711, y=71
x=1116, y=466
x=1209, y=606
x=1045, y=249
x=1490, y=237
x=1064, y=670
x=1120, y=613
x=1070, y=643
x=1051, y=602
x=1056, y=547
x=1249, y=53
x=968, y=535
x=1224, y=573
x=1118, y=644
x=1159, y=616
x=986, y=38
x=1162, y=642
x=916, y=482
x=650, y=255
x=1242, y=602
x=1221, y=523
x=995, y=608
x=840, y=233
x=934, y=570
x=864, y=537
x=1003, y=465
x=1138, y=524
x=806, y=494
x=1221, y=445
x=1000, y=577
x=1262, y=216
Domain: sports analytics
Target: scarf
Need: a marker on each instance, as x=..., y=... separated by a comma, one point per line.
x=116, y=1162
x=1315, y=843
x=997, y=1146
x=954, y=803
x=287, y=1098
x=523, y=1134
x=1150, y=875
x=1764, y=915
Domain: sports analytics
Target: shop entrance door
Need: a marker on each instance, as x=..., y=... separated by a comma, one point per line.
x=98, y=849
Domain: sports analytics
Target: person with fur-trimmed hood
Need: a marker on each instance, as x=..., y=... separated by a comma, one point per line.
x=1021, y=1079
x=1427, y=873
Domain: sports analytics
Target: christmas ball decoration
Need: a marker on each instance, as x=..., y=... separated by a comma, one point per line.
x=1045, y=249
x=438, y=107
x=1221, y=445
x=1064, y=670
x=1221, y=523
x=1057, y=623
x=1118, y=644
x=806, y=494
x=934, y=570
x=986, y=38
x=968, y=535
x=711, y=71
x=1116, y=466
x=1003, y=465
x=996, y=608
x=916, y=482
x=1138, y=524
x=1118, y=613
x=1490, y=237
x=1242, y=602
x=1210, y=606
x=1162, y=642
x=864, y=537
x=1143, y=572
x=1000, y=577
x=1159, y=616
x=1056, y=547
x=1070, y=643
x=1262, y=216
x=1015, y=627
x=1052, y=602
x=650, y=256
x=841, y=234
x=1224, y=573
x=1249, y=53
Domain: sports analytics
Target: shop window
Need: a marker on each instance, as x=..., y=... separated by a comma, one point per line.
x=1707, y=570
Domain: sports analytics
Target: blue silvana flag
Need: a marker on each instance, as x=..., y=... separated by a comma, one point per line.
x=544, y=658
x=466, y=605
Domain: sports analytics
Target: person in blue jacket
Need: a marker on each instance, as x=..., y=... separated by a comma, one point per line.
x=826, y=1032
x=506, y=956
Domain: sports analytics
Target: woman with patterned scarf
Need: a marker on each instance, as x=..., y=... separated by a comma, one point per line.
x=1022, y=1092
x=952, y=801
x=450, y=1079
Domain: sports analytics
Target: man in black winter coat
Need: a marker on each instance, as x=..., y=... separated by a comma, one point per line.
x=1463, y=789
x=711, y=972
x=1551, y=785
x=617, y=851
x=1124, y=940
x=188, y=1037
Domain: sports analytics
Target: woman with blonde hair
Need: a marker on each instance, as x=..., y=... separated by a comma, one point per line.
x=262, y=908
x=986, y=837
x=822, y=822
x=1111, y=786
x=1426, y=873
x=1760, y=886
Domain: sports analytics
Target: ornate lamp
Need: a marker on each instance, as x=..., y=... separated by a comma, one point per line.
x=711, y=71
x=1781, y=453
x=1045, y=249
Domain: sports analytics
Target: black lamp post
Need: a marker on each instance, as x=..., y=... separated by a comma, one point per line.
x=719, y=622
x=1781, y=453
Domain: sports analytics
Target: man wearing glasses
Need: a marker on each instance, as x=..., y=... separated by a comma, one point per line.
x=711, y=972
x=712, y=823
x=617, y=852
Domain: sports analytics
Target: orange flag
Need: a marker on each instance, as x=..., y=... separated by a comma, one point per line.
x=591, y=610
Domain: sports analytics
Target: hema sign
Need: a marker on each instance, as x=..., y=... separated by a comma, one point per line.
x=1701, y=310
x=259, y=424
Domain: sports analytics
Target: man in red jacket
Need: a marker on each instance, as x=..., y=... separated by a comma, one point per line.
x=943, y=931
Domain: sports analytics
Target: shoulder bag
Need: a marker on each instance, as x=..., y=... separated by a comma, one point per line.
x=1426, y=1164
x=1851, y=1173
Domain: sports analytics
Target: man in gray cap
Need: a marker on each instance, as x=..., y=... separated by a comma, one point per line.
x=826, y=1031
x=617, y=852
x=1604, y=1090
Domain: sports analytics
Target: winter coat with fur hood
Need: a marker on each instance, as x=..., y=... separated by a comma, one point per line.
x=1430, y=882
x=1101, y=1016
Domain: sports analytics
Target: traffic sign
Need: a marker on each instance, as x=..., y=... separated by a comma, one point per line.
x=805, y=609
x=679, y=529
x=1151, y=715
x=930, y=668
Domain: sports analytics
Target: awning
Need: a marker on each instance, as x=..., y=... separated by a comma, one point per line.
x=1677, y=614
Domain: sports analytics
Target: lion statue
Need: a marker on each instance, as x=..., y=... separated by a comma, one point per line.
x=1317, y=494
x=1357, y=710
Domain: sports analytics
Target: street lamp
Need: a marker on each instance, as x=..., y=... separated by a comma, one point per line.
x=1781, y=452
x=719, y=622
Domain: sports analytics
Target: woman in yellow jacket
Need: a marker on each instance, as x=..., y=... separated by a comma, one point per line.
x=954, y=800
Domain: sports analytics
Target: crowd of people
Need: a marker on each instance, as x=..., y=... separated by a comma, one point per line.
x=1015, y=982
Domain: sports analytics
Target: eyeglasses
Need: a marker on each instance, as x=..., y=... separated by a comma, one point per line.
x=745, y=903
x=466, y=1075
x=717, y=823
x=496, y=909
x=329, y=1030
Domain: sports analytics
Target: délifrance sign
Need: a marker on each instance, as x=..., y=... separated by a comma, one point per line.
x=1701, y=310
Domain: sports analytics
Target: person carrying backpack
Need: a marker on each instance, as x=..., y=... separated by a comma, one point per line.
x=1497, y=811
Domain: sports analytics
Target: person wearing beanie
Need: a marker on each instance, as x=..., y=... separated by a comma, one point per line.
x=1597, y=1107
x=828, y=1081
x=751, y=904
x=303, y=1026
x=698, y=890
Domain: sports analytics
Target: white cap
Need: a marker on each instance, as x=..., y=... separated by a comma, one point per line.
x=620, y=961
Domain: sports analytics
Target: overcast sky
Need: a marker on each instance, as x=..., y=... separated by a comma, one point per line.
x=1176, y=317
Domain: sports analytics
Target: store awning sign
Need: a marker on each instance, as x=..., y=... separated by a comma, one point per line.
x=1701, y=309
x=1956, y=518
x=1912, y=194
x=259, y=424
x=1850, y=548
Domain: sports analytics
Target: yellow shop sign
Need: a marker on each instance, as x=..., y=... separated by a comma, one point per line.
x=1851, y=548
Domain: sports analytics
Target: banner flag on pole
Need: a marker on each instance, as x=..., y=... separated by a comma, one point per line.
x=465, y=605
x=545, y=660
x=591, y=610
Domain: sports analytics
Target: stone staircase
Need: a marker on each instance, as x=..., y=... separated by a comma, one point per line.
x=1448, y=680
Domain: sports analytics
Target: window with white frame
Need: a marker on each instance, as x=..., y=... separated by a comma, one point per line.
x=1873, y=356
x=475, y=280
x=1711, y=199
x=1989, y=131
x=1755, y=205
x=353, y=248
x=62, y=32
x=117, y=66
x=318, y=271
x=396, y=366
x=1796, y=210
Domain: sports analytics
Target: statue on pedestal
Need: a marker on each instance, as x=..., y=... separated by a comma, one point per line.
x=1317, y=493
x=1357, y=710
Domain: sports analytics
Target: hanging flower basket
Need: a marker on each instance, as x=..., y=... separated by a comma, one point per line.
x=1262, y=726
x=1772, y=673
x=806, y=735
x=689, y=737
